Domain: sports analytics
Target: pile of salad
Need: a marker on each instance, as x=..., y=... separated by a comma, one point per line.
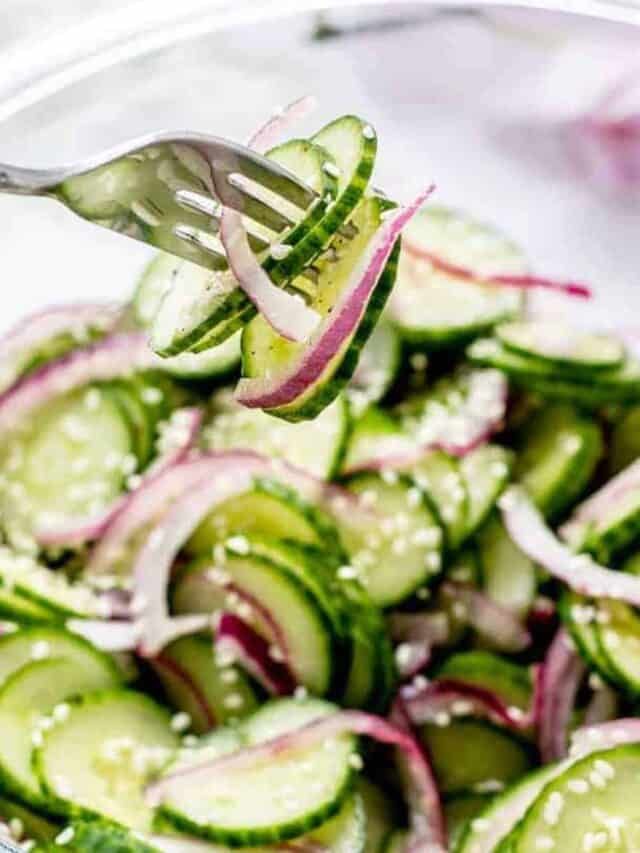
x=334, y=551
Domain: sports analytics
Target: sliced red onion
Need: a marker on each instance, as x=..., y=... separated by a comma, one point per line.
x=121, y=636
x=183, y=429
x=336, y=328
x=117, y=355
x=425, y=801
x=287, y=313
x=274, y=128
x=453, y=697
x=563, y=671
x=416, y=634
x=522, y=282
x=580, y=572
x=497, y=624
x=251, y=652
x=75, y=319
x=592, y=738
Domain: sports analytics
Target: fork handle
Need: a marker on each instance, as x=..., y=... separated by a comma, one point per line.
x=16, y=180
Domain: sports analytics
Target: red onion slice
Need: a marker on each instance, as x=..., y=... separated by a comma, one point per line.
x=336, y=328
x=592, y=738
x=275, y=127
x=117, y=355
x=522, y=282
x=498, y=625
x=116, y=636
x=592, y=508
x=563, y=671
x=425, y=804
x=579, y=572
x=285, y=312
x=250, y=651
x=184, y=426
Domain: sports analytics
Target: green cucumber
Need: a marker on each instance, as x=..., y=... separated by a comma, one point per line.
x=624, y=441
x=561, y=345
x=196, y=683
x=397, y=550
x=26, y=698
x=32, y=826
x=580, y=616
x=508, y=575
x=485, y=472
x=289, y=795
x=266, y=354
x=98, y=760
x=435, y=309
x=317, y=446
x=558, y=453
x=380, y=815
x=617, y=634
x=397, y=842
x=616, y=529
x=373, y=430
x=264, y=591
x=510, y=681
x=459, y=811
x=16, y=608
x=438, y=476
x=603, y=818
x=486, y=757
x=377, y=368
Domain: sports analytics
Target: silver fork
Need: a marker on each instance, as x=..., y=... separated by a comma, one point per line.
x=167, y=190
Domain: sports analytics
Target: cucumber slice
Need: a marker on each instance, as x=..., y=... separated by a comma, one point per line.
x=435, y=309
x=36, y=643
x=485, y=756
x=508, y=575
x=156, y=281
x=200, y=311
x=397, y=842
x=591, y=390
x=398, y=550
x=380, y=815
x=98, y=760
x=606, y=812
x=508, y=680
x=317, y=446
x=372, y=430
x=30, y=825
x=580, y=615
x=439, y=477
x=377, y=368
x=562, y=345
x=16, y=608
x=459, y=811
x=558, y=453
x=69, y=463
x=196, y=683
x=624, y=441
x=288, y=796
x=485, y=472
x=617, y=634
x=617, y=527
x=26, y=697
x=271, y=596
x=266, y=354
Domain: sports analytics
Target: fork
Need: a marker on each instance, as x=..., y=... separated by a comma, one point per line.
x=168, y=189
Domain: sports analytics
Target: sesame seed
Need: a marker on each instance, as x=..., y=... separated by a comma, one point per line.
x=368, y=132
x=181, y=721
x=545, y=842
x=234, y=701
x=40, y=650
x=480, y=824
x=65, y=836
x=578, y=786
x=355, y=761
x=331, y=169
x=238, y=544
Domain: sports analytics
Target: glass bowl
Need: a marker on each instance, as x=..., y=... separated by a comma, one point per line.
x=478, y=99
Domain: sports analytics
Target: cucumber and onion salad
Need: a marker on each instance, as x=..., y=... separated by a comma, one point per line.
x=381, y=597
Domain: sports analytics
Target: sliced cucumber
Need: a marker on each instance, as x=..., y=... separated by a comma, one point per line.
x=397, y=549
x=31, y=825
x=317, y=446
x=624, y=441
x=508, y=575
x=570, y=819
x=266, y=354
x=38, y=643
x=485, y=756
x=459, y=811
x=373, y=432
x=196, y=683
x=617, y=634
x=435, y=309
x=70, y=462
x=277, y=599
x=269, y=509
x=485, y=472
x=617, y=527
x=558, y=453
x=580, y=615
x=16, y=608
x=508, y=680
x=289, y=795
x=439, y=477
x=380, y=815
x=99, y=759
x=377, y=368
x=397, y=842
x=562, y=345
x=26, y=698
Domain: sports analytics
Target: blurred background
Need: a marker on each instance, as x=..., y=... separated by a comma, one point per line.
x=527, y=118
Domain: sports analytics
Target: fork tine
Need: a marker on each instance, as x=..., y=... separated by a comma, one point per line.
x=204, y=241
x=212, y=210
x=246, y=202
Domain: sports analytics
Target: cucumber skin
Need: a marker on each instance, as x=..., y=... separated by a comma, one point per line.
x=255, y=837
x=104, y=836
x=329, y=389
x=603, y=546
x=576, y=632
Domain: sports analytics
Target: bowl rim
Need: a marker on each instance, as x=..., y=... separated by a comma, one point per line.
x=36, y=69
